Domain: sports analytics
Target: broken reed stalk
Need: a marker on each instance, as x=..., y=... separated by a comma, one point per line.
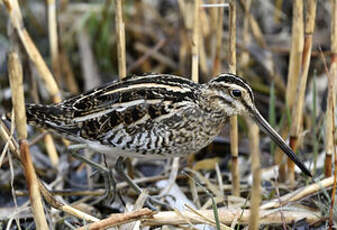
x=297, y=113
x=293, y=76
x=195, y=41
x=119, y=218
x=16, y=82
x=120, y=31
x=329, y=145
x=330, y=120
x=228, y=215
x=255, y=200
x=298, y=194
x=53, y=39
x=233, y=119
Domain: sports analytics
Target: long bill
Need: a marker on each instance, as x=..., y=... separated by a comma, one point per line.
x=279, y=141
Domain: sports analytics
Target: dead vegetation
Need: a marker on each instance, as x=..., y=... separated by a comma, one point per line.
x=51, y=50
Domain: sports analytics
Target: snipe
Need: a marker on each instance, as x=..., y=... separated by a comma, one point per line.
x=153, y=116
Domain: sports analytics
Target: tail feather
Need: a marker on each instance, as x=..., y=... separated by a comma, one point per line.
x=39, y=115
x=49, y=117
x=52, y=118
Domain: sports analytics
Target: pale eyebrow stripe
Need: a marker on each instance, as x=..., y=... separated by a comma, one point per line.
x=149, y=85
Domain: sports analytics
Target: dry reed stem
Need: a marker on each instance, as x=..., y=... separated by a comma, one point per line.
x=233, y=119
x=297, y=113
x=295, y=52
x=118, y=219
x=202, y=55
x=16, y=82
x=298, y=194
x=136, y=206
x=206, y=219
x=33, y=187
x=218, y=38
x=51, y=149
x=219, y=177
x=214, y=20
x=309, y=29
x=64, y=207
x=256, y=31
x=333, y=192
x=120, y=31
x=186, y=7
x=53, y=39
x=54, y=50
x=194, y=193
x=279, y=158
x=330, y=131
x=173, y=176
x=329, y=128
x=18, y=100
x=6, y=137
x=195, y=50
x=293, y=77
x=227, y=216
x=204, y=30
x=253, y=134
x=204, y=21
x=16, y=20
x=195, y=41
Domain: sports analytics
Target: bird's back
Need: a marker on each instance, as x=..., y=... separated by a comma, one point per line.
x=153, y=115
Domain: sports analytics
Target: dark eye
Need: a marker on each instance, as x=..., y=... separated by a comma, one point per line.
x=236, y=93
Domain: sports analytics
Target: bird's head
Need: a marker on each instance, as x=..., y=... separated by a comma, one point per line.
x=233, y=96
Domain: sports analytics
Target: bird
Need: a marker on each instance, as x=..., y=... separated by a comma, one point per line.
x=153, y=116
